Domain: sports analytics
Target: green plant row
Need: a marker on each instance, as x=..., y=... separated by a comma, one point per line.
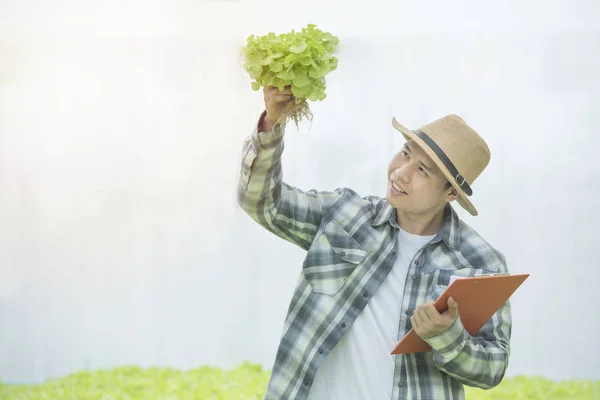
x=246, y=382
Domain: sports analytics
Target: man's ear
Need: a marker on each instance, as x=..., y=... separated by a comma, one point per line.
x=451, y=194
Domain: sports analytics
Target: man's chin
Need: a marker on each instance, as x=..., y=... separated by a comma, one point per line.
x=392, y=200
x=388, y=197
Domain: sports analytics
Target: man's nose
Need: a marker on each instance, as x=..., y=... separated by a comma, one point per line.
x=402, y=173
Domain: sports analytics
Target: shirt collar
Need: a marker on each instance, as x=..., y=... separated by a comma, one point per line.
x=449, y=234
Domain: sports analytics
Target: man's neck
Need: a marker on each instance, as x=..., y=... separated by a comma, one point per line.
x=418, y=224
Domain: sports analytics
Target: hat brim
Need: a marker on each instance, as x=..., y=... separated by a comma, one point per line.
x=463, y=198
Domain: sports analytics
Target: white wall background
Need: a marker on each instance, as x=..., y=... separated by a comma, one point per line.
x=121, y=125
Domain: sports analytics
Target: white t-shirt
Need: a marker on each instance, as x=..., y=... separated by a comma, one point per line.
x=360, y=366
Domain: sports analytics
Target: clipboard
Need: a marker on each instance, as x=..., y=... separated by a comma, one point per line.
x=478, y=298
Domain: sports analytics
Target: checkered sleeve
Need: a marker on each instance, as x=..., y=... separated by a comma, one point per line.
x=286, y=211
x=480, y=360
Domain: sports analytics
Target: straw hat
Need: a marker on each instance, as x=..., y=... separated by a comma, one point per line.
x=458, y=151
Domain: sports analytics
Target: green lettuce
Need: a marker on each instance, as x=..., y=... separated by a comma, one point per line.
x=246, y=382
x=300, y=60
x=537, y=388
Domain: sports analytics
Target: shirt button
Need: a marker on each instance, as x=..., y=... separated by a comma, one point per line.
x=306, y=382
x=365, y=294
x=342, y=253
x=320, y=351
x=416, y=262
x=343, y=325
x=408, y=312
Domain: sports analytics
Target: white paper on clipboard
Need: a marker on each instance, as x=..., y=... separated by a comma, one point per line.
x=454, y=277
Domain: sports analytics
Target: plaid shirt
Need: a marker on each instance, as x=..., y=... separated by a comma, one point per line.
x=351, y=247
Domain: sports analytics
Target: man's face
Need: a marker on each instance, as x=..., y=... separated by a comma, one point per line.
x=415, y=184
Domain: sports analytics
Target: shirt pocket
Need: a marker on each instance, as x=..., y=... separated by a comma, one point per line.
x=331, y=259
x=440, y=280
x=248, y=158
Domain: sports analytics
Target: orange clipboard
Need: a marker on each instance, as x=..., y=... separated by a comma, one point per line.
x=478, y=298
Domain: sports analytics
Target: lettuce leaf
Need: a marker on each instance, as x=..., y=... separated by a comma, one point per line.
x=300, y=60
x=246, y=382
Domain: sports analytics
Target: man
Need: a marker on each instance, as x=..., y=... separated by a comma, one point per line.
x=374, y=266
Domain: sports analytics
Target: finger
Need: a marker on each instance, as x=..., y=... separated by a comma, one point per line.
x=431, y=312
x=286, y=89
x=422, y=309
x=281, y=98
x=414, y=323
x=418, y=317
x=452, y=303
x=452, y=308
x=278, y=99
x=274, y=90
